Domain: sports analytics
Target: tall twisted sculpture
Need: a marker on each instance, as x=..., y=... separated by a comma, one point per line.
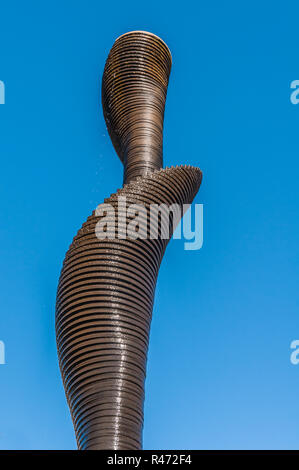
x=106, y=287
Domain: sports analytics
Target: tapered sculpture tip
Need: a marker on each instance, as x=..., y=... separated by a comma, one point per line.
x=134, y=88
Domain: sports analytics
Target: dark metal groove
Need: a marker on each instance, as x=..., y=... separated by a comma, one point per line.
x=106, y=287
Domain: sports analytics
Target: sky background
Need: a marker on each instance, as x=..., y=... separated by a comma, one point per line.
x=219, y=373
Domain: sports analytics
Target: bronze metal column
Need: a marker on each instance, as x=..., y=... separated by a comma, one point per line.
x=106, y=287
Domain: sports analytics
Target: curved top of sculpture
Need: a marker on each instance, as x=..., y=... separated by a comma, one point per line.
x=134, y=91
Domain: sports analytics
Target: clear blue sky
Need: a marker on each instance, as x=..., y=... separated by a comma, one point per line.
x=219, y=371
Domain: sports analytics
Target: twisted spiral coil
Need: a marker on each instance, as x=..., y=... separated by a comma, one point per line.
x=106, y=287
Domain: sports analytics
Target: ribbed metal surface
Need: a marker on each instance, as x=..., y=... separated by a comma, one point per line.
x=104, y=306
x=134, y=91
x=106, y=287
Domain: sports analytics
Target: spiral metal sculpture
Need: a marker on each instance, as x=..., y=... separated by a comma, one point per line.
x=106, y=287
